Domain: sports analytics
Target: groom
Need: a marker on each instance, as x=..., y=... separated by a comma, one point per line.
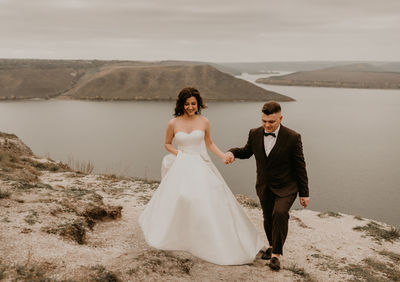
x=281, y=174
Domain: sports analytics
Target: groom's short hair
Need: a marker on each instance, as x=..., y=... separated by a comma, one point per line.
x=271, y=108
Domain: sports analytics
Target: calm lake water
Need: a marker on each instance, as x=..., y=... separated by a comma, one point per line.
x=351, y=141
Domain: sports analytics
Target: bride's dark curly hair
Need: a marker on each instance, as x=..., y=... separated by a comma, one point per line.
x=186, y=93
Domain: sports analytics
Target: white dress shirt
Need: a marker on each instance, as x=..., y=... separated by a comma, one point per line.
x=269, y=141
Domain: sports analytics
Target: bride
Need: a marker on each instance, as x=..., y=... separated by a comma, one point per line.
x=193, y=209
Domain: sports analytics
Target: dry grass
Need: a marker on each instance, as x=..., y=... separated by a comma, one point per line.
x=103, y=212
x=103, y=275
x=50, y=166
x=79, y=193
x=86, y=167
x=362, y=273
x=144, y=199
x=161, y=264
x=12, y=168
x=145, y=180
x=248, y=202
x=4, y=194
x=358, y=218
x=392, y=256
x=301, y=272
x=373, y=270
x=27, y=272
x=6, y=219
x=86, y=206
x=74, y=231
x=86, y=209
x=330, y=214
x=17, y=162
x=300, y=222
x=3, y=269
x=32, y=217
x=111, y=177
x=9, y=157
x=378, y=232
x=23, y=185
x=389, y=272
x=6, y=158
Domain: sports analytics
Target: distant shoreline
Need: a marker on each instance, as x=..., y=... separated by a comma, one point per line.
x=361, y=76
x=2, y=99
x=322, y=85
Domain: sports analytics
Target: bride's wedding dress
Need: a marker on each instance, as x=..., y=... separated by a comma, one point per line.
x=194, y=210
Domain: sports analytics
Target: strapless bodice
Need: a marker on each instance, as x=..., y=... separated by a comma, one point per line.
x=191, y=143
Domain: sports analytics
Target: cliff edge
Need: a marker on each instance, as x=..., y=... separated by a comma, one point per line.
x=61, y=224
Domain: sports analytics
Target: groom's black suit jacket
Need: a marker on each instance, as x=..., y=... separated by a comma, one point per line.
x=284, y=170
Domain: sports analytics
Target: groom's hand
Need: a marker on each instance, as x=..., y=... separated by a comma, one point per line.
x=304, y=201
x=229, y=158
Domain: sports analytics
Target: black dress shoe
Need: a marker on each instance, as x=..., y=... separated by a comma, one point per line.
x=267, y=254
x=274, y=264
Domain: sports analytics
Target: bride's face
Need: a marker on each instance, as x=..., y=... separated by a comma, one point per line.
x=190, y=106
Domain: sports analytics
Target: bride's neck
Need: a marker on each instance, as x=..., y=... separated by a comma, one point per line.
x=187, y=117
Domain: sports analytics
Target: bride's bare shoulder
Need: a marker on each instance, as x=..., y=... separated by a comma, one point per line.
x=174, y=120
x=204, y=120
x=172, y=123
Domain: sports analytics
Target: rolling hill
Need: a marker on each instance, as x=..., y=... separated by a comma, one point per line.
x=347, y=76
x=266, y=67
x=164, y=83
x=122, y=80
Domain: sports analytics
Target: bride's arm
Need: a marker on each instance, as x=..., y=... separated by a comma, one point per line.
x=210, y=144
x=168, y=138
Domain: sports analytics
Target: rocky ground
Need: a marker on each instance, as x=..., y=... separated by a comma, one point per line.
x=57, y=224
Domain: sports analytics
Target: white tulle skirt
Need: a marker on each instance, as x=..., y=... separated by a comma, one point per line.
x=194, y=210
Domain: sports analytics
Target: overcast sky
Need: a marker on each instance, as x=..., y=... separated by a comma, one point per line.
x=205, y=30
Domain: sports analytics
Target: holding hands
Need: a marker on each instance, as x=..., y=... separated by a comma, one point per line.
x=228, y=158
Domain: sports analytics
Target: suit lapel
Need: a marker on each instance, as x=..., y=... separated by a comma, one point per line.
x=278, y=144
x=261, y=148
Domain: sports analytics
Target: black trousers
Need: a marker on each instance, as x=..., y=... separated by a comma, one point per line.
x=276, y=218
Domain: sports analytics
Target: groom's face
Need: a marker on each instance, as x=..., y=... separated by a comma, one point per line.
x=271, y=122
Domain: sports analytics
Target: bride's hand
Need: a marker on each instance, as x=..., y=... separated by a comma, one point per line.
x=228, y=158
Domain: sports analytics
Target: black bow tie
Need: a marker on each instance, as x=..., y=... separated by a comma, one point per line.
x=271, y=134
